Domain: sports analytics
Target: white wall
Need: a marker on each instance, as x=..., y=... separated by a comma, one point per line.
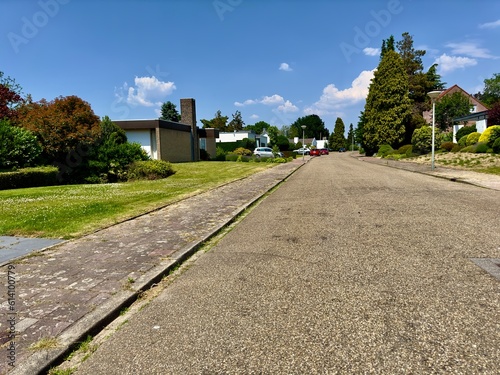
x=146, y=138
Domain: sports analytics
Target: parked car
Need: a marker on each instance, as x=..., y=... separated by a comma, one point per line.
x=315, y=152
x=266, y=152
x=342, y=149
x=302, y=150
x=279, y=154
x=324, y=151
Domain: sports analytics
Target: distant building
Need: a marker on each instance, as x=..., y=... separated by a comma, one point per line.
x=478, y=112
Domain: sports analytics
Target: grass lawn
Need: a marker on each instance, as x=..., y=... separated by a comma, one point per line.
x=73, y=210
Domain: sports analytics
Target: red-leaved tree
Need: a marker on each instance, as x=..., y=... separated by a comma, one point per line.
x=60, y=125
x=10, y=97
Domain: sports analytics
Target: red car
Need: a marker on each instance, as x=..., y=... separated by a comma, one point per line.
x=315, y=152
x=324, y=151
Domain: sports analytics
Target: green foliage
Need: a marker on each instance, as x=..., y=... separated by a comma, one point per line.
x=149, y=170
x=169, y=112
x=282, y=143
x=29, y=177
x=481, y=148
x=242, y=151
x=422, y=140
x=403, y=150
x=449, y=107
x=258, y=127
x=456, y=148
x=448, y=146
x=491, y=93
x=220, y=154
x=496, y=146
x=447, y=137
x=471, y=149
x=385, y=150
x=315, y=127
x=236, y=123
x=231, y=157
x=463, y=141
x=246, y=143
x=337, y=140
x=18, y=147
x=490, y=134
x=465, y=130
x=204, y=155
x=388, y=107
x=218, y=122
x=110, y=156
x=472, y=138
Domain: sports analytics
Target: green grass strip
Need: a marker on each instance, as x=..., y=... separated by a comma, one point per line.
x=70, y=211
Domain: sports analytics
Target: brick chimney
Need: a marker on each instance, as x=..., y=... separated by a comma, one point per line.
x=188, y=117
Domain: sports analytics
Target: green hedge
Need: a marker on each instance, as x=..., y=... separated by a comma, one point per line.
x=29, y=177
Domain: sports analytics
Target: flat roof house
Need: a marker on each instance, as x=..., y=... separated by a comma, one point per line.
x=172, y=141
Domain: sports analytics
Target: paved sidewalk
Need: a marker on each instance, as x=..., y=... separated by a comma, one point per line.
x=75, y=287
x=485, y=180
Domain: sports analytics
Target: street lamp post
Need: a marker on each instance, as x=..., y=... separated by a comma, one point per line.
x=303, y=144
x=433, y=95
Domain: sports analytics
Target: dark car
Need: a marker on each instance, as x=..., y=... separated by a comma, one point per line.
x=342, y=149
x=315, y=152
x=324, y=151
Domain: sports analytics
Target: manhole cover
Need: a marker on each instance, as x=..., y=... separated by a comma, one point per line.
x=490, y=265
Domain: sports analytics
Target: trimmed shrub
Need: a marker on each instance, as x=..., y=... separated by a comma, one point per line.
x=29, y=177
x=242, y=151
x=465, y=130
x=463, y=141
x=472, y=138
x=422, y=140
x=149, y=170
x=404, y=149
x=220, y=154
x=496, y=146
x=481, y=148
x=231, y=157
x=447, y=146
x=456, y=148
x=490, y=134
x=384, y=150
x=471, y=149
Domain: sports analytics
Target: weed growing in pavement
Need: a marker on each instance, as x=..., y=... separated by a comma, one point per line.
x=45, y=343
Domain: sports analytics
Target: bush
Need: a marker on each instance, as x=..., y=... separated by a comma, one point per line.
x=204, y=155
x=385, y=150
x=472, y=138
x=448, y=146
x=231, y=157
x=471, y=149
x=490, y=134
x=481, y=148
x=242, y=151
x=29, y=177
x=220, y=154
x=463, y=141
x=496, y=146
x=422, y=140
x=18, y=147
x=447, y=137
x=149, y=170
x=404, y=149
x=456, y=148
x=465, y=130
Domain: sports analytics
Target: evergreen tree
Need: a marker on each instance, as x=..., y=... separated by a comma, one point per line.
x=236, y=123
x=434, y=82
x=169, y=112
x=337, y=140
x=388, y=107
x=387, y=45
x=350, y=138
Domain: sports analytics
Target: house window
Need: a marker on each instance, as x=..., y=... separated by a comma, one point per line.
x=203, y=143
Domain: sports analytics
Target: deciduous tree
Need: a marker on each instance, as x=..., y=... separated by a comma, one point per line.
x=10, y=97
x=218, y=122
x=315, y=127
x=236, y=124
x=449, y=107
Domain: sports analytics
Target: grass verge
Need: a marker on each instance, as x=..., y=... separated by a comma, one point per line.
x=70, y=211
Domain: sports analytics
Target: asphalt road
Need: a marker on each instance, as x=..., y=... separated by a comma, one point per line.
x=346, y=268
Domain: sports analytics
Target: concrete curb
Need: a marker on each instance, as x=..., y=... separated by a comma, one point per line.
x=41, y=362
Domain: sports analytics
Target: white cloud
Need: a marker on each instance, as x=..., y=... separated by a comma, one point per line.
x=490, y=25
x=334, y=99
x=368, y=51
x=469, y=49
x=254, y=117
x=285, y=67
x=450, y=63
x=147, y=92
x=287, y=107
x=272, y=100
x=246, y=102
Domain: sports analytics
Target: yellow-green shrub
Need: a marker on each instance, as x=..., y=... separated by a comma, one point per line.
x=485, y=136
x=472, y=138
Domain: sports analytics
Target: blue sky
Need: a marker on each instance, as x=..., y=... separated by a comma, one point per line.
x=273, y=61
